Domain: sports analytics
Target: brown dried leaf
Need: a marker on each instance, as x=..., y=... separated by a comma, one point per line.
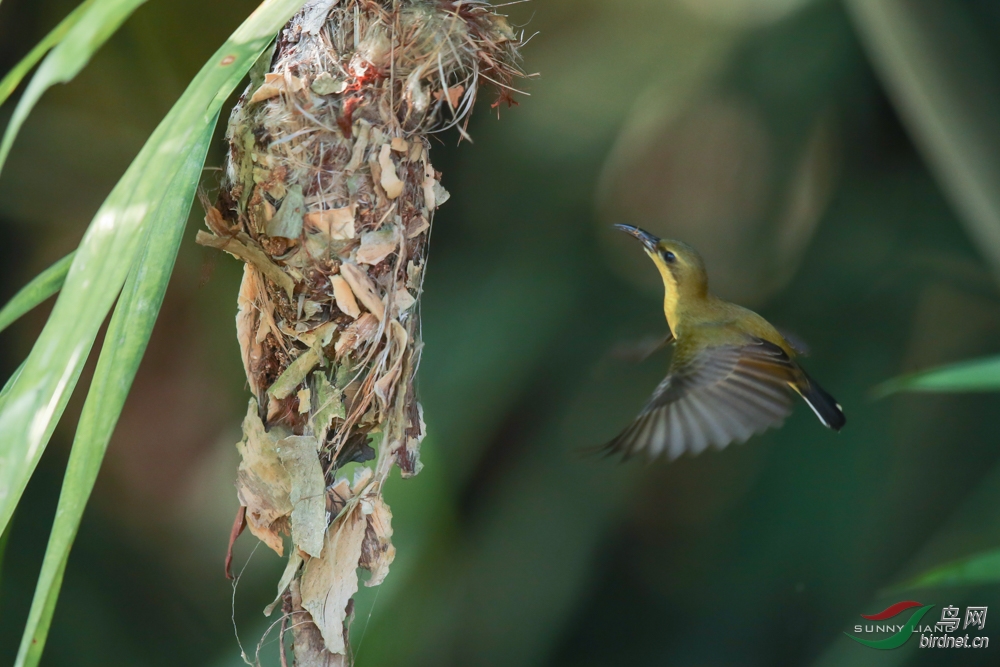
x=310, y=649
x=247, y=325
x=356, y=334
x=454, y=95
x=389, y=180
x=262, y=483
x=245, y=248
x=363, y=288
x=360, y=145
x=300, y=456
x=402, y=299
x=337, y=223
x=328, y=583
x=295, y=374
x=397, y=349
x=215, y=222
x=417, y=227
x=400, y=145
x=344, y=296
x=376, y=246
x=377, y=552
x=291, y=569
x=275, y=84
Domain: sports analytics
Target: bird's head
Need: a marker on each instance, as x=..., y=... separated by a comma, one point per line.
x=681, y=266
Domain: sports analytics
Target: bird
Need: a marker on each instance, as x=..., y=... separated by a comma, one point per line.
x=733, y=375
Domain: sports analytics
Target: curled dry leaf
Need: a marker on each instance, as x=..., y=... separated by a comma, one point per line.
x=329, y=582
x=376, y=246
x=262, y=483
x=390, y=181
x=358, y=333
x=247, y=325
x=363, y=288
x=308, y=492
x=295, y=374
x=276, y=84
x=377, y=551
x=336, y=223
x=343, y=295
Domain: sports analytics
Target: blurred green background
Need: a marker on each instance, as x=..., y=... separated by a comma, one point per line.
x=832, y=163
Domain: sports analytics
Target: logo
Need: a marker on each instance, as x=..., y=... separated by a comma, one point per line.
x=951, y=619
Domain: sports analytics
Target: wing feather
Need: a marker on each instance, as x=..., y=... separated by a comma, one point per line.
x=723, y=394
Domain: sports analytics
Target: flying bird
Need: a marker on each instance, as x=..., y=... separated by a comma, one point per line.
x=732, y=375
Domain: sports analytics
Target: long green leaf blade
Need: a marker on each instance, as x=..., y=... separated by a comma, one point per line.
x=17, y=74
x=124, y=345
x=983, y=568
x=944, y=83
x=91, y=25
x=44, y=285
x=974, y=375
x=109, y=248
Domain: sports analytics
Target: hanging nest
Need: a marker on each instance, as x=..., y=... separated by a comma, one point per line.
x=328, y=198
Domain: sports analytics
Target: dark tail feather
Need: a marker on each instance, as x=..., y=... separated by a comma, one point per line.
x=823, y=404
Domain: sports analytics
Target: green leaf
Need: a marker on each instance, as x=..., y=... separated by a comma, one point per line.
x=938, y=67
x=45, y=284
x=975, y=375
x=75, y=40
x=15, y=76
x=974, y=570
x=109, y=249
x=124, y=345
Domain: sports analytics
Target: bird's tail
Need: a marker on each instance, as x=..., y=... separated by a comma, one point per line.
x=823, y=404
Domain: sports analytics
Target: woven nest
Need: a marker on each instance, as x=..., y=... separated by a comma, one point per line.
x=328, y=198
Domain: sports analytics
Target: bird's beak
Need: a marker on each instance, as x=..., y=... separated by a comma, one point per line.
x=648, y=240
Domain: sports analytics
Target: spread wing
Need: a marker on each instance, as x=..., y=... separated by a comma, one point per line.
x=721, y=395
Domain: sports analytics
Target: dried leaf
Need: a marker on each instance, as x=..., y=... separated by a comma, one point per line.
x=337, y=223
x=362, y=476
x=276, y=84
x=310, y=649
x=360, y=145
x=440, y=194
x=215, y=222
x=327, y=84
x=363, y=288
x=400, y=145
x=304, y=395
x=329, y=404
x=454, y=95
x=299, y=455
x=245, y=248
x=247, y=324
x=376, y=246
x=397, y=348
x=357, y=333
x=344, y=296
x=377, y=552
x=402, y=299
x=287, y=222
x=262, y=483
x=295, y=374
x=417, y=227
x=291, y=569
x=389, y=181
x=328, y=583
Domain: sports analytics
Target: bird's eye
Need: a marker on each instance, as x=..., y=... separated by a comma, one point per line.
x=668, y=256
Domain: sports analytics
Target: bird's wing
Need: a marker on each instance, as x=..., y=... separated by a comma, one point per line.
x=722, y=394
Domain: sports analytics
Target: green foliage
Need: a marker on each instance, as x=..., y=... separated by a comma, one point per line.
x=44, y=285
x=983, y=568
x=974, y=375
x=73, y=42
x=136, y=233
x=124, y=345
